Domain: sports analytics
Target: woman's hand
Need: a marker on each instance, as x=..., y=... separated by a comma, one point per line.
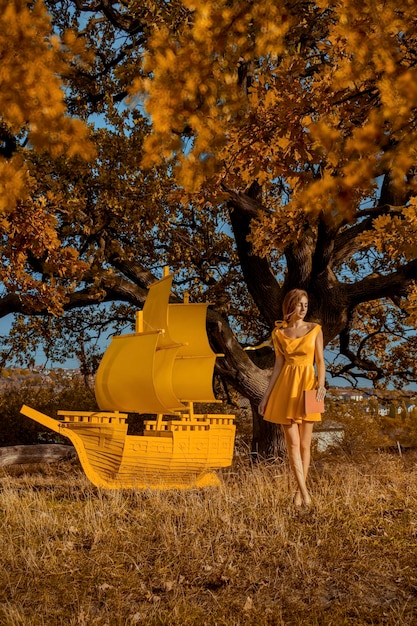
x=321, y=392
x=262, y=406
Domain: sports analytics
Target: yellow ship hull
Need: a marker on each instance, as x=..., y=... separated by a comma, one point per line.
x=176, y=453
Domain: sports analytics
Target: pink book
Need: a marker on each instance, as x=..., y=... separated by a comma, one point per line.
x=311, y=404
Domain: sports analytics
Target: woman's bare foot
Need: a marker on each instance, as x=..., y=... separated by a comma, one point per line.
x=298, y=498
x=300, y=501
x=307, y=501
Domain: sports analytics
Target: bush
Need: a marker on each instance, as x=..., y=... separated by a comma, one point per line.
x=364, y=430
x=47, y=396
x=362, y=426
x=401, y=429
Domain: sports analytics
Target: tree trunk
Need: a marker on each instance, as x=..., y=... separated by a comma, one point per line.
x=267, y=439
x=247, y=378
x=38, y=453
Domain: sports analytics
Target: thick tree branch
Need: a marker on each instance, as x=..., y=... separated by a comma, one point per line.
x=123, y=21
x=323, y=252
x=382, y=286
x=12, y=303
x=251, y=206
x=134, y=271
x=357, y=359
x=346, y=242
x=234, y=366
x=8, y=143
x=261, y=282
x=299, y=262
x=109, y=288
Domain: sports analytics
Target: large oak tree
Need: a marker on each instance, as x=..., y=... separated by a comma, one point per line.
x=252, y=147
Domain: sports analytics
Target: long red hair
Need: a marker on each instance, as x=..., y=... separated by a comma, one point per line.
x=292, y=298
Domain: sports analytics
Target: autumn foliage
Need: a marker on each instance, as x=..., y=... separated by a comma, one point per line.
x=328, y=104
x=33, y=118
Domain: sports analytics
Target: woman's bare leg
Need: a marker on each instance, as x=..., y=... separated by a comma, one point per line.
x=292, y=441
x=306, y=434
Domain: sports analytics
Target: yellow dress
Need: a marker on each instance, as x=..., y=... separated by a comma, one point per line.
x=286, y=401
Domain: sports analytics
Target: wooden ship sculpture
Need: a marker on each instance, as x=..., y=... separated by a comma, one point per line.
x=161, y=369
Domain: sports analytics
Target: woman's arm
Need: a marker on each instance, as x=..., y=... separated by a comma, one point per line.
x=320, y=364
x=279, y=361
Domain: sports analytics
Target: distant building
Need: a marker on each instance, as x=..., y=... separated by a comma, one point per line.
x=347, y=394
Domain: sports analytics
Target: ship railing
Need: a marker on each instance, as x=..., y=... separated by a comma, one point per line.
x=90, y=417
x=196, y=423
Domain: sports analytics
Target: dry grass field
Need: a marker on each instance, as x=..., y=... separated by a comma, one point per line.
x=231, y=556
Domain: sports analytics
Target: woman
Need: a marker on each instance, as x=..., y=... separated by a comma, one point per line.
x=298, y=345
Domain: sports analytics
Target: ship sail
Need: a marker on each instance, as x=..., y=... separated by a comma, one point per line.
x=194, y=363
x=159, y=368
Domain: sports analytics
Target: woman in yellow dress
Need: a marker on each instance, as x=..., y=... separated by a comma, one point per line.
x=298, y=345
